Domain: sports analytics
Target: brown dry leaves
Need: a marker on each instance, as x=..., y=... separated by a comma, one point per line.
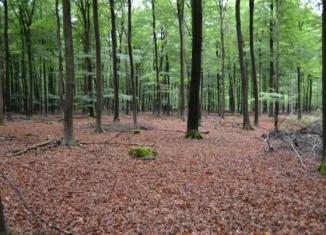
x=223, y=184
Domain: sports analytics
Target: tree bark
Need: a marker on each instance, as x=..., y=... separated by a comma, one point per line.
x=1, y=81
x=69, y=57
x=7, y=61
x=133, y=87
x=114, y=64
x=271, y=61
x=180, y=7
x=277, y=61
x=158, y=89
x=222, y=90
x=299, y=105
x=99, y=81
x=244, y=75
x=193, y=106
x=253, y=62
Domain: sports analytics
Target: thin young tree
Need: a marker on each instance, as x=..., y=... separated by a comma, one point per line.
x=99, y=82
x=194, y=105
x=253, y=62
x=299, y=105
x=132, y=76
x=322, y=167
x=180, y=8
x=244, y=75
x=69, y=59
x=1, y=78
x=157, y=104
x=114, y=63
x=277, y=60
x=271, y=58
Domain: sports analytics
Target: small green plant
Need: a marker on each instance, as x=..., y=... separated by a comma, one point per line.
x=322, y=169
x=145, y=153
x=194, y=135
x=135, y=132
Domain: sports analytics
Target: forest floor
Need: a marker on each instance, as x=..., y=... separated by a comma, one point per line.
x=223, y=184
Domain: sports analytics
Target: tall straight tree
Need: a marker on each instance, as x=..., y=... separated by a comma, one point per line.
x=253, y=62
x=69, y=58
x=322, y=167
x=193, y=105
x=1, y=78
x=99, y=82
x=299, y=105
x=277, y=60
x=243, y=69
x=7, y=60
x=180, y=8
x=114, y=63
x=157, y=104
x=222, y=10
x=132, y=76
x=60, y=66
x=271, y=58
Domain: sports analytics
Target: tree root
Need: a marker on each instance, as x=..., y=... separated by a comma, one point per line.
x=33, y=213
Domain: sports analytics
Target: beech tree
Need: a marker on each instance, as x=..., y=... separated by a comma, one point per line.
x=69, y=59
x=194, y=105
x=180, y=8
x=7, y=60
x=243, y=69
x=1, y=78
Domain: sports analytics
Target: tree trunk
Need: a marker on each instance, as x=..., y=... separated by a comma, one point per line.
x=222, y=81
x=7, y=61
x=114, y=64
x=271, y=61
x=193, y=106
x=1, y=82
x=299, y=105
x=3, y=224
x=99, y=82
x=253, y=62
x=69, y=57
x=60, y=66
x=158, y=90
x=245, y=110
x=133, y=87
x=277, y=61
x=180, y=6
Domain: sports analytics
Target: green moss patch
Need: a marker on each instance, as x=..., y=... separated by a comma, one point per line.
x=135, y=132
x=322, y=168
x=194, y=135
x=141, y=152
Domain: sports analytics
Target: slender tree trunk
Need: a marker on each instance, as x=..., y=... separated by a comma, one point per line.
x=133, y=87
x=114, y=64
x=323, y=161
x=222, y=81
x=60, y=66
x=3, y=224
x=30, y=72
x=1, y=82
x=271, y=61
x=253, y=62
x=244, y=75
x=277, y=61
x=158, y=89
x=180, y=6
x=193, y=106
x=45, y=89
x=7, y=61
x=69, y=57
x=99, y=81
x=299, y=105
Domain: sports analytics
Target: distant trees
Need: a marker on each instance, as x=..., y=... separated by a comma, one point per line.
x=69, y=59
x=322, y=167
x=243, y=69
x=194, y=105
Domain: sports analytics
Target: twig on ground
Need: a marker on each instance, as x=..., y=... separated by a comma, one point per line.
x=35, y=146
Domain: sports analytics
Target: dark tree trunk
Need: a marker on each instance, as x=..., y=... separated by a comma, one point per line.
x=180, y=6
x=133, y=87
x=245, y=111
x=277, y=62
x=253, y=62
x=193, y=106
x=1, y=81
x=69, y=57
x=60, y=66
x=299, y=105
x=158, y=89
x=222, y=81
x=271, y=61
x=99, y=78
x=3, y=224
x=7, y=61
x=114, y=64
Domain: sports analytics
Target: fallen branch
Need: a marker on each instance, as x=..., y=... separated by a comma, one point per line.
x=113, y=143
x=35, y=146
x=33, y=213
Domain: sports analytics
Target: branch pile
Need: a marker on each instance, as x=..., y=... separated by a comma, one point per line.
x=307, y=139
